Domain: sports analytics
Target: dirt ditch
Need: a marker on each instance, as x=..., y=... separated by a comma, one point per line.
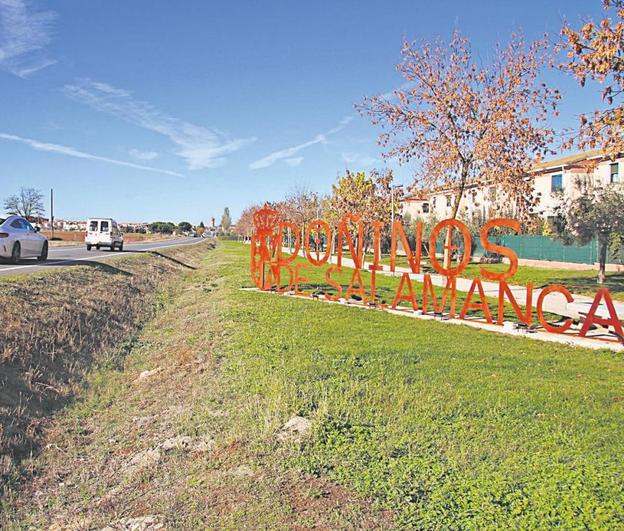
x=56, y=327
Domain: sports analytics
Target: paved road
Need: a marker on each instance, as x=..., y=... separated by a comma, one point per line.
x=74, y=255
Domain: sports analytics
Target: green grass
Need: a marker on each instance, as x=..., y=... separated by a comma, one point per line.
x=450, y=427
x=386, y=289
x=578, y=282
x=440, y=426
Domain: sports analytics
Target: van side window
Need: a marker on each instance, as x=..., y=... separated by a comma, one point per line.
x=93, y=226
x=103, y=226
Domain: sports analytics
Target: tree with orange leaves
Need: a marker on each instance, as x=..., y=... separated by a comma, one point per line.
x=469, y=123
x=596, y=52
x=366, y=195
x=244, y=225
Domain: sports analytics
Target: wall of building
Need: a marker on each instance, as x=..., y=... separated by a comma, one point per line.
x=480, y=200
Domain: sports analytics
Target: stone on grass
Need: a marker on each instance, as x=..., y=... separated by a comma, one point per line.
x=181, y=442
x=203, y=444
x=144, y=459
x=142, y=523
x=147, y=374
x=240, y=471
x=295, y=428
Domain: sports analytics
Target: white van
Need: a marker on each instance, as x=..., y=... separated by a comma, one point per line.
x=103, y=232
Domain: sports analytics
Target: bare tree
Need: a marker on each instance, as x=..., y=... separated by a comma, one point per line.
x=304, y=206
x=28, y=202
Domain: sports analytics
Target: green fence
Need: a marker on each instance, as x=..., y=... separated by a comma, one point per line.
x=545, y=248
x=541, y=248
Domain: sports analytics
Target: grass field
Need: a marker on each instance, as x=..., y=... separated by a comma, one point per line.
x=578, y=282
x=414, y=423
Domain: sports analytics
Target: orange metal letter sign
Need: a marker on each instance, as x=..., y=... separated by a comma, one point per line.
x=271, y=269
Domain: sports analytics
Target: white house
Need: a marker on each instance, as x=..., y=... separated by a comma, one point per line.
x=550, y=179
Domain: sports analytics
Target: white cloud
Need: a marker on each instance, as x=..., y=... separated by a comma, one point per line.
x=201, y=147
x=143, y=155
x=24, y=35
x=294, y=162
x=288, y=153
x=391, y=95
x=359, y=160
x=72, y=152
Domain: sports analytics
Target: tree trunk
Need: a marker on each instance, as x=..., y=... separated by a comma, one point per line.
x=449, y=232
x=602, y=275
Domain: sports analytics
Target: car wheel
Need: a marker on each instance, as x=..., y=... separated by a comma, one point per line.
x=16, y=253
x=121, y=246
x=112, y=247
x=44, y=253
x=88, y=247
x=97, y=247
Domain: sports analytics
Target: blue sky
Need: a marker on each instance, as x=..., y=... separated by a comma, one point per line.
x=153, y=109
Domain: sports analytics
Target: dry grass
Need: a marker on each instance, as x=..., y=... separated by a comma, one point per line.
x=78, y=236
x=88, y=475
x=57, y=326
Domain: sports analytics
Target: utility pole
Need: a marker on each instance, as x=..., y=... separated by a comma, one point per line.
x=52, y=210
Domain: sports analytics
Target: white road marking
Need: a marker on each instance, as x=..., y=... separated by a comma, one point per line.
x=32, y=265
x=89, y=257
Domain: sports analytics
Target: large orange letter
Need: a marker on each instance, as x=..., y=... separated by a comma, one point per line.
x=277, y=274
x=298, y=279
x=294, y=230
x=540, y=313
x=343, y=232
x=375, y=266
x=433, y=240
x=318, y=225
x=333, y=283
x=483, y=305
x=405, y=279
x=499, y=249
x=504, y=289
x=451, y=284
x=360, y=290
x=412, y=258
x=613, y=320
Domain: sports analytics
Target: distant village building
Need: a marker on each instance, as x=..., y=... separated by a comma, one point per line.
x=551, y=179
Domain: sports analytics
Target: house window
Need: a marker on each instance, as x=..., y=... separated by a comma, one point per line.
x=615, y=172
x=492, y=193
x=425, y=208
x=434, y=202
x=449, y=201
x=556, y=183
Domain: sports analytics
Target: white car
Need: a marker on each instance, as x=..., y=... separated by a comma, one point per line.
x=103, y=232
x=19, y=239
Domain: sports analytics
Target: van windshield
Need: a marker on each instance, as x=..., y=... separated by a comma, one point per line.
x=103, y=226
x=93, y=226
